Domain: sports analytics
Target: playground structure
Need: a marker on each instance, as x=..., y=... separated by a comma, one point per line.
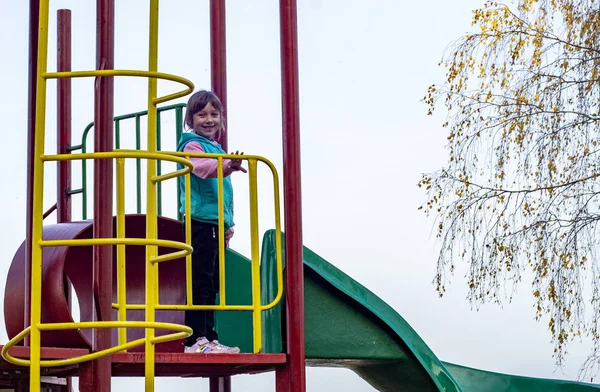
x=132, y=322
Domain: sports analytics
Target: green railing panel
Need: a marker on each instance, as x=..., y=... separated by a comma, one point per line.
x=83, y=147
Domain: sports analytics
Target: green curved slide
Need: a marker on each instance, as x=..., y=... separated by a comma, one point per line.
x=348, y=326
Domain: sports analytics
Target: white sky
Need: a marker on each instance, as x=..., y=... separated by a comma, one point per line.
x=365, y=141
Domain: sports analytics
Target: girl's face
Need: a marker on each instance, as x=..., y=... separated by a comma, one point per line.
x=207, y=122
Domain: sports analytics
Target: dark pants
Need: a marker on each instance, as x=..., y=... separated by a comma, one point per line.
x=205, y=280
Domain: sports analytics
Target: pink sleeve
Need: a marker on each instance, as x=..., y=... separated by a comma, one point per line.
x=228, y=235
x=206, y=167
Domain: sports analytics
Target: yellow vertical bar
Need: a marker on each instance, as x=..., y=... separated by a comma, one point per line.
x=121, y=269
x=278, y=246
x=221, y=233
x=188, y=239
x=156, y=268
x=255, y=256
x=38, y=199
x=151, y=213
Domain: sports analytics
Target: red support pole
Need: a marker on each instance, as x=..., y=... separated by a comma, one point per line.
x=63, y=118
x=282, y=379
x=218, y=57
x=218, y=73
x=34, y=21
x=220, y=384
x=292, y=195
x=63, y=126
x=103, y=188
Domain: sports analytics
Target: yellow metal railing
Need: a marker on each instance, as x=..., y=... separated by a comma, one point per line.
x=184, y=331
x=120, y=241
x=184, y=251
x=151, y=242
x=256, y=307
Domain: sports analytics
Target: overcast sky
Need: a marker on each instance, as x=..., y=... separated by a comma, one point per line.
x=366, y=139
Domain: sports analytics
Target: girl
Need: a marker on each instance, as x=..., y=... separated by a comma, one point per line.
x=204, y=117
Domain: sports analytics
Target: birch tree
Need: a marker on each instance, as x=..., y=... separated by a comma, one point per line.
x=520, y=190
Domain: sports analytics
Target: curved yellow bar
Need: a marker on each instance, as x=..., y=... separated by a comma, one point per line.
x=168, y=176
x=121, y=154
x=186, y=307
x=20, y=336
x=171, y=256
x=183, y=332
x=205, y=307
x=74, y=360
x=118, y=241
x=113, y=324
x=130, y=72
x=224, y=156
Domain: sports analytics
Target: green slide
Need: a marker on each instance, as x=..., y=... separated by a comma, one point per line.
x=348, y=326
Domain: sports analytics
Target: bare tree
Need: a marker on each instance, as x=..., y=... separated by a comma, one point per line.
x=520, y=190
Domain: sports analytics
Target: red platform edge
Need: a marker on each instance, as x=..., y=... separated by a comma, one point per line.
x=131, y=364
x=236, y=359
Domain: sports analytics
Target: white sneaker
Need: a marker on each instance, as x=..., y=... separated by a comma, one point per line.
x=200, y=347
x=203, y=346
x=221, y=348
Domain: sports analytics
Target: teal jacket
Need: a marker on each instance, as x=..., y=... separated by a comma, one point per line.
x=205, y=192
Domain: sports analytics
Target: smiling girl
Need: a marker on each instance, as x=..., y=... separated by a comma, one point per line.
x=204, y=119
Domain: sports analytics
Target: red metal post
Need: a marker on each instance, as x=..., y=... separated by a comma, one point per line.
x=34, y=21
x=218, y=58
x=103, y=187
x=63, y=118
x=292, y=196
x=220, y=384
x=218, y=73
x=63, y=127
x=282, y=379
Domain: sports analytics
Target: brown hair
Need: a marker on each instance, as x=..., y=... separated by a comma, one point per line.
x=198, y=101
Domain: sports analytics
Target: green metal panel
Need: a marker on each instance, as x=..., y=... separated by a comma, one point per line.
x=273, y=319
x=178, y=108
x=235, y=327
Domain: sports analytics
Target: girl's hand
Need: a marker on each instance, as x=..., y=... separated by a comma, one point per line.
x=236, y=164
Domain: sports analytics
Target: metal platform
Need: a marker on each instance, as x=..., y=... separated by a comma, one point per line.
x=132, y=364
